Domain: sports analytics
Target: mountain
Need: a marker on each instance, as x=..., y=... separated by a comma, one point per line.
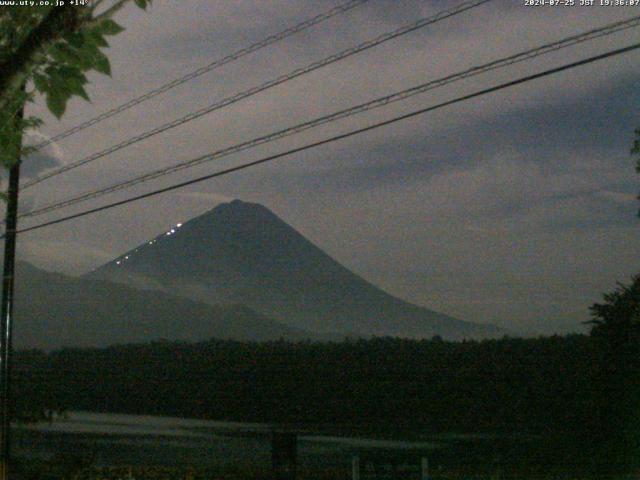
x=54, y=310
x=243, y=253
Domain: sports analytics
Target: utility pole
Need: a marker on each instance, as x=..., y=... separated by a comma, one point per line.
x=6, y=323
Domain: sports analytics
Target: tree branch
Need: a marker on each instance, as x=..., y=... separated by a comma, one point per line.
x=15, y=71
x=108, y=13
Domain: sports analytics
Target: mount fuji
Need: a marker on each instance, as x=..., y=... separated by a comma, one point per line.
x=242, y=253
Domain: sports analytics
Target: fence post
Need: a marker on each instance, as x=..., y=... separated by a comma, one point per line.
x=355, y=467
x=424, y=462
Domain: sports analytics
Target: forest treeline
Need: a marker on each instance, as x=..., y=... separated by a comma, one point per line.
x=546, y=386
x=581, y=389
x=523, y=385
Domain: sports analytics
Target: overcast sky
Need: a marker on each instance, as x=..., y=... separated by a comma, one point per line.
x=517, y=208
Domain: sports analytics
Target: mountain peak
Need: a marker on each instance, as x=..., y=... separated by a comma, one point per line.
x=242, y=252
x=239, y=207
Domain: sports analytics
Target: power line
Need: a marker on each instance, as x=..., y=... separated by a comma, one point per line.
x=342, y=136
x=379, y=102
x=207, y=68
x=261, y=88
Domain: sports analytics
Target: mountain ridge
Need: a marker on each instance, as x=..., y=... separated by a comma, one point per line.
x=54, y=310
x=241, y=252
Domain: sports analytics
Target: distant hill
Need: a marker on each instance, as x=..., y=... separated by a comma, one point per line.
x=54, y=310
x=243, y=253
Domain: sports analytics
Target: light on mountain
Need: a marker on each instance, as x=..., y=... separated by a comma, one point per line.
x=207, y=259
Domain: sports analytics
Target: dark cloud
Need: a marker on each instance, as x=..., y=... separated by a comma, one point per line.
x=36, y=163
x=516, y=207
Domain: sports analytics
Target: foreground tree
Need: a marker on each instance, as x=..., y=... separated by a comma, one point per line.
x=45, y=49
x=49, y=49
x=616, y=335
x=617, y=320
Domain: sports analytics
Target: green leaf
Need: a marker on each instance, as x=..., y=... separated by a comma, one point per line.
x=73, y=86
x=64, y=53
x=70, y=72
x=97, y=38
x=63, y=82
x=57, y=103
x=88, y=55
x=109, y=27
x=142, y=4
x=101, y=64
x=41, y=82
x=81, y=92
x=75, y=39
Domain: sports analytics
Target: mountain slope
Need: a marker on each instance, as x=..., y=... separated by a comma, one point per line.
x=243, y=253
x=54, y=310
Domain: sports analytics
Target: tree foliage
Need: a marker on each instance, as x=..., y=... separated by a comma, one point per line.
x=635, y=150
x=618, y=318
x=616, y=333
x=49, y=50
